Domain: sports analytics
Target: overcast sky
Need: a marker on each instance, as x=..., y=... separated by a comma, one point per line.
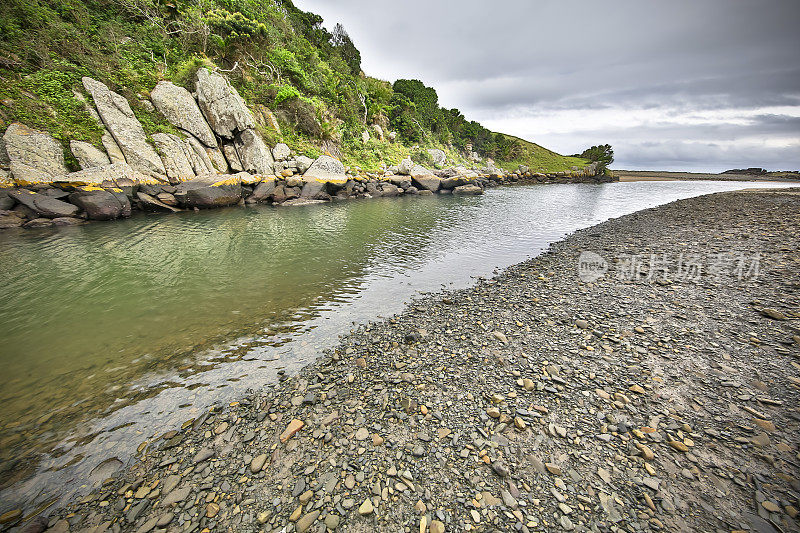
x=680, y=85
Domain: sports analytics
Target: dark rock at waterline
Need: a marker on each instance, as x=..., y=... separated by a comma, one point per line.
x=149, y=203
x=389, y=189
x=10, y=219
x=205, y=194
x=6, y=202
x=455, y=181
x=426, y=181
x=101, y=204
x=44, y=205
x=312, y=188
x=467, y=190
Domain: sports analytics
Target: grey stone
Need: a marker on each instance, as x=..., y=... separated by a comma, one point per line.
x=221, y=105
x=326, y=168
x=427, y=182
x=35, y=156
x=117, y=173
x=262, y=191
x=207, y=193
x=44, y=205
x=232, y=157
x=174, y=154
x=438, y=156
x=254, y=154
x=87, y=155
x=118, y=117
x=178, y=106
x=281, y=152
x=101, y=204
x=303, y=163
x=467, y=190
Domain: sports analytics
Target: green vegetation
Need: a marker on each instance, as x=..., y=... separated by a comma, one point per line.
x=603, y=154
x=540, y=159
x=276, y=55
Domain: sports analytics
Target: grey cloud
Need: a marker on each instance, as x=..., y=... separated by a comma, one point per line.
x=521, y=57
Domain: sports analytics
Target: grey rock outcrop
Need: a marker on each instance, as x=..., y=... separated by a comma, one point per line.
x=178, y=106
x=87, y=155
x=254, y=155
x=262, y=192
x=44, y=205
x=117, y=173
x=221, y=104
x=303, y=163
x=427, y=182
x=281, y=152
x=467, y=190
x=118, y=117
x=174, y=154
x=326, y=168
x=35, y=155
x=233, y=158
x=438, y=156
x=101, y=204
x=408, y=168
x=207, y=193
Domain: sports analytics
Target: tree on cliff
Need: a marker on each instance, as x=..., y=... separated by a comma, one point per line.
x=347, y=50
x=602, y=153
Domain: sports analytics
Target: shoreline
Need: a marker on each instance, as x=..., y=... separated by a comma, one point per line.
x=654, y=175
x=48, y=205
x=409, y=423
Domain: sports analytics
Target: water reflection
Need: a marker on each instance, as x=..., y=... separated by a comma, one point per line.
x=114, y=332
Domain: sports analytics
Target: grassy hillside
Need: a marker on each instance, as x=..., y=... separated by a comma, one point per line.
x=280, y=58
x=540, y=159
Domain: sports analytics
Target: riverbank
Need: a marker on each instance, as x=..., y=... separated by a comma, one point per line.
x=655, y=175
x=46, y=205
x=532, y=398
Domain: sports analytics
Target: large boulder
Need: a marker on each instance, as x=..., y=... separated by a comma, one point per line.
x=101, y=204
x=427, y=182
x=303, y=163
x=87, y=155
x=313, y=189
x=254, y=155
x=115, y=155
x=455, y=181
x=45, y=206
x=467, y=190
x=176, y=156
x=178, y=106
x=35, y=156
x=326, y=169
x=150, y=203
x=262, y=192
x=116, y=173
x=207, y=193
x=232, y=157
x=222, y=106
x=281, y=152
x=438, y=156
x=118, y=117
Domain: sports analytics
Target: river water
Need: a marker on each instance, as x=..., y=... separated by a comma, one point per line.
x=115, y=332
